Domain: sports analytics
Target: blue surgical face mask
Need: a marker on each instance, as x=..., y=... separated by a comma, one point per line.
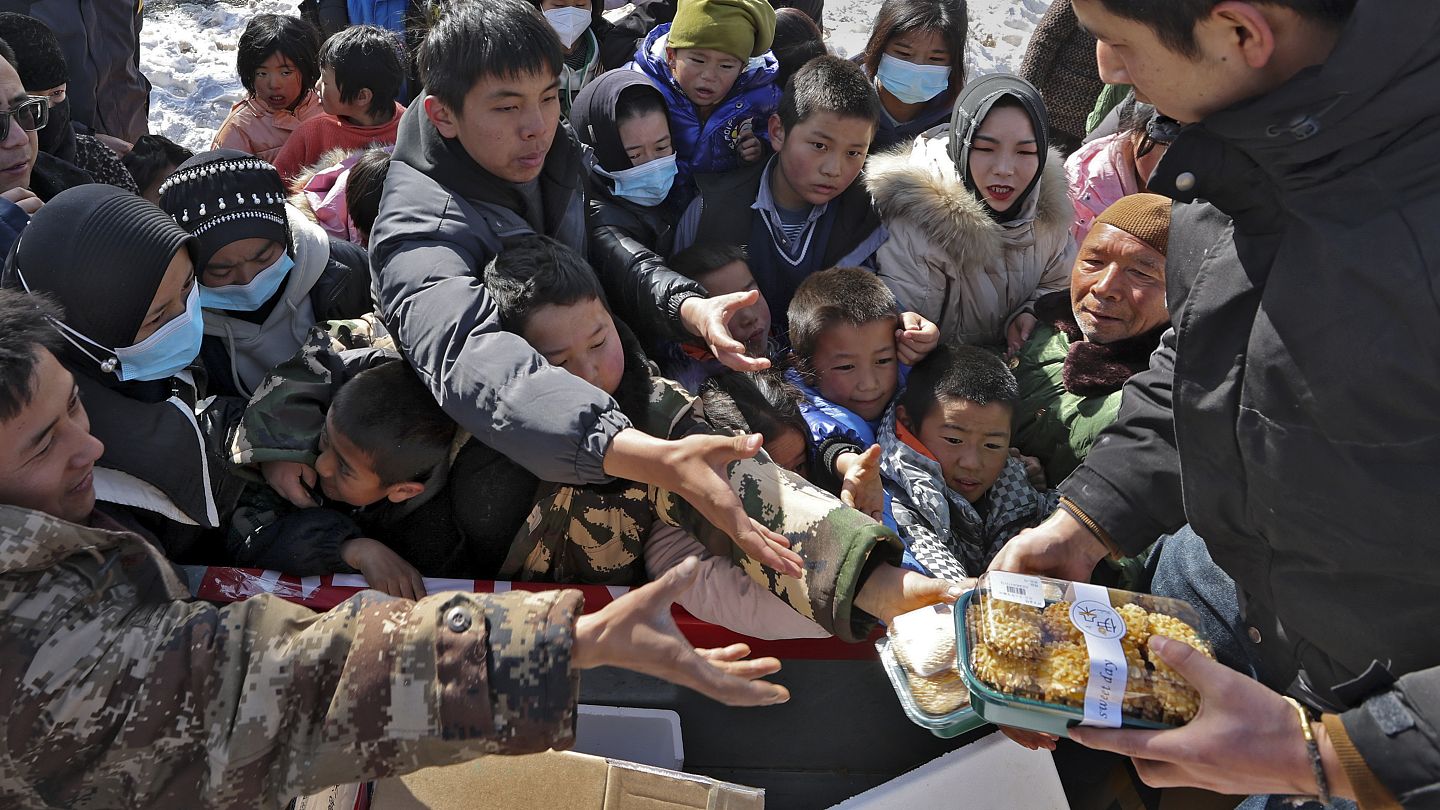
x=248, y=297
x=168, y=351
x=912, y=83
x=647, y=184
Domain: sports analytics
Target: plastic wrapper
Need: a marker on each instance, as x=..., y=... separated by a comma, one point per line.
x=1045, y=654
x=920, y=658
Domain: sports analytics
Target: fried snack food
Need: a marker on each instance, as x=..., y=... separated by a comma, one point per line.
x=938, y=694
x=1041, y=654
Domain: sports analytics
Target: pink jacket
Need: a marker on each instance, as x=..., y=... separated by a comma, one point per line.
x=1099, y=173
x=253, y=127
x=320, y=191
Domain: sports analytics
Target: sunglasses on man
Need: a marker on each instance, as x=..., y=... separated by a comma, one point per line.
x=31, y=114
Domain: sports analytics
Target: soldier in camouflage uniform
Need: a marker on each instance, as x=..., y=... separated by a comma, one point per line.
x=121, y=693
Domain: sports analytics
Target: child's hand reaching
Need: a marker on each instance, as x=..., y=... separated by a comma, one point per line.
x=748, y=147
x=385, y=570
x=292, y=480
x=915, y=338
x=1019, y=332
x=1033, y=469
x=860, y=486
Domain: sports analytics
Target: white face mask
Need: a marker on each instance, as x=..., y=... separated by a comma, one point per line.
x=569, y=23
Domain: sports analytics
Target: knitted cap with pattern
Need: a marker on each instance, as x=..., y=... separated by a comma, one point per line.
x=41, y=62
x=743, y=28
x=1144, y=216
x=223, y=196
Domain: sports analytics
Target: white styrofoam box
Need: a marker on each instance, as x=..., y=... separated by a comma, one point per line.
x=647, y=736
x=991, y=773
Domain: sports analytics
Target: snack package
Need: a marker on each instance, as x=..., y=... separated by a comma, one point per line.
x=919, y=655
x=1045, y=654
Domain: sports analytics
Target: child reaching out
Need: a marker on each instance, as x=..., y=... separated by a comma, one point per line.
x=714, y=67
x=278, y=59
x=722, y=270
x=957, y=491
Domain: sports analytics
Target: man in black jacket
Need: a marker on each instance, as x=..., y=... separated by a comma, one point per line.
x=1289, y=413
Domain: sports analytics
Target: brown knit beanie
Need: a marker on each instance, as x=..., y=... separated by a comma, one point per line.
x=1144, y=216
x=742, y=28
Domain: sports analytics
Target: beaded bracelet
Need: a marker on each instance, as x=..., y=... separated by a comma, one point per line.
x=1322, y=785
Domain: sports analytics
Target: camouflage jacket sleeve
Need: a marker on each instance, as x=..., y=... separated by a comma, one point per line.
x=155, y=701
x=839, y=544
x=285, y=416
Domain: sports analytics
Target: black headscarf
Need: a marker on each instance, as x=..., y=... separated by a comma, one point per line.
x=41, y=65
x=971, y=108
x=593, y=114
x=101, y=253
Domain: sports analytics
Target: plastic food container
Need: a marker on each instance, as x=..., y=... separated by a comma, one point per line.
x=940, y=699
x=1045, y=654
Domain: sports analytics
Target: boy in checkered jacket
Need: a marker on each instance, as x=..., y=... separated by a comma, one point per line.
x=957, y=492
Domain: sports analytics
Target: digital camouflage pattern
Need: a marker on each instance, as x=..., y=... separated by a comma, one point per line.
x=120, y=693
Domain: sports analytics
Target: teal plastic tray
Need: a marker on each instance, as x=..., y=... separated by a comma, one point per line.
x=1019, y=712
x=944, y=726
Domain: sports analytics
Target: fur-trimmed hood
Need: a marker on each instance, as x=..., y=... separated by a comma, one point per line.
x=921, y=184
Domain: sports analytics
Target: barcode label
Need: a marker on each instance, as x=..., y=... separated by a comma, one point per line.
x=1025, y=590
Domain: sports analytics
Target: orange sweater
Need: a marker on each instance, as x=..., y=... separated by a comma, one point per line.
x=254, y=127
x=326, y=132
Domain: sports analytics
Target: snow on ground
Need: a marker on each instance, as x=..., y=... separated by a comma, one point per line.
x=188, y=52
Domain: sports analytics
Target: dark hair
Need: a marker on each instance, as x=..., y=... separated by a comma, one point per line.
x=150, y=155
x=26, y=325
x=477, y=39
x=8, y=54
x=753, y=402
x=705, y=258
x=366, y=57
x=1173, y=21
x=797, y=40
x=957, y=372
x=537, y=271
x=899, y=17
x=639, y=100
x=292, y=37
x=841, y=295
x=393, y=418
x=597, y=11
x=363, y=188
x=828, y=84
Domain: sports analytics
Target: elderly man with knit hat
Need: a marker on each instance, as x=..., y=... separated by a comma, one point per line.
x=1093, y=339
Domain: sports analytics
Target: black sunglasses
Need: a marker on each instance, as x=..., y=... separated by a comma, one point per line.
x=31, y=114
x=1158, y=130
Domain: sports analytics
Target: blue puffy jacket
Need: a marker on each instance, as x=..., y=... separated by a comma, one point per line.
x=709, y=148
x=388, y=14
x=832, y=426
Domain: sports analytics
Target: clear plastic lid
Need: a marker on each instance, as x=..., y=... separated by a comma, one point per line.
x=1080, y=648
x=922, y=643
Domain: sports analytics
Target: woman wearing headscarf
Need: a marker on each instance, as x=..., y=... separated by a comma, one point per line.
x=979, y=217
x=123, y=273
x=267, y=273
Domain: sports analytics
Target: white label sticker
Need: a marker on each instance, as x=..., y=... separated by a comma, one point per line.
x=1103, y=628
x=1025, y=590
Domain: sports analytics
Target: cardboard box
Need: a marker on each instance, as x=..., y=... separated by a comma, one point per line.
x=560, y=781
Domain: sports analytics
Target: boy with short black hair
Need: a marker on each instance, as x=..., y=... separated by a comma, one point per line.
x=361, y=73
x=482, y=158
x=955, y=489
x=377, y=472
x=801, y=211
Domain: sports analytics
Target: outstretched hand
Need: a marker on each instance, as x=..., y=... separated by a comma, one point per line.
x=709, y=320
x=860, y=485
x=637, y=632
x=292, y=480
x=1059, y=547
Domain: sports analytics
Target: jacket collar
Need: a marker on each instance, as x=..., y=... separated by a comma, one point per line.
x=33, y=541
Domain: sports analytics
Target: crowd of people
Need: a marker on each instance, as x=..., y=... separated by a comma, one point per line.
x=673, y=298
